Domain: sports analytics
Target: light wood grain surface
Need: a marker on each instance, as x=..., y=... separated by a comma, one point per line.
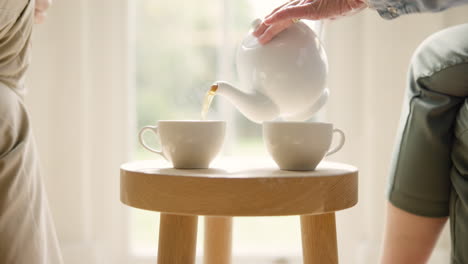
x=218, y=240
x=177, y=239
x=318, y=234
x=238, y=187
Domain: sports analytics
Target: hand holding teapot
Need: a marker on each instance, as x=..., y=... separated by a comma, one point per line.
x=284, y=79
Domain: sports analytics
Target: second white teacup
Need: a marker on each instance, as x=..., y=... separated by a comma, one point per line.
x=300, y=145
x=188, y=144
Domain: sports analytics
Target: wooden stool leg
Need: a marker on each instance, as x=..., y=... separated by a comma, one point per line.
x=319, y=239
x=218, y=240
x=177, y=239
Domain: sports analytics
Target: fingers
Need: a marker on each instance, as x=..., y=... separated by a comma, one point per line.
x=272, y=31
x=260, y=30
x=293, y=12
x=283, y=6
x=262, y=27
x=281, y=18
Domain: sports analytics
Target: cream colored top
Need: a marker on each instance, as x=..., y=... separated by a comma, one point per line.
x=16, y=24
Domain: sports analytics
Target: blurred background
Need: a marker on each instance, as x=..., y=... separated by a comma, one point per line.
x=103, y=69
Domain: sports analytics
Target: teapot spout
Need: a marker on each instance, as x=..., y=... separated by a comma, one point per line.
x=254, y=105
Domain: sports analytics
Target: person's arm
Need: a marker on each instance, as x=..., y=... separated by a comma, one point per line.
x=409, y=238
x=390, y=9
x=283, y=16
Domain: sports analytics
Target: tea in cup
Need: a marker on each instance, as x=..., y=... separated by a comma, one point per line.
x=188, y=144
x=300, y=145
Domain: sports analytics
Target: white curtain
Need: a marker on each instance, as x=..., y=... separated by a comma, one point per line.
x=81, y=98
x=80, y=102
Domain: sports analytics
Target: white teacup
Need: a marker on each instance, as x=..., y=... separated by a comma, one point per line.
x=187, y=144
x=299, y=145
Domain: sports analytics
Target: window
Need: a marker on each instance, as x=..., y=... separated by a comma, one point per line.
x=182, y=47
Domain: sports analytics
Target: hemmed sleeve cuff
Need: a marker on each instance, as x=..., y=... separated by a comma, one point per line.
x=390, y=9
x=418, y=206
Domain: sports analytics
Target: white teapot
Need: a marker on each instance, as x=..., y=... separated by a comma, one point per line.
x=284, y=79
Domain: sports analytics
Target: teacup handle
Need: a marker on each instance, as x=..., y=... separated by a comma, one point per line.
x=340, y=145
x=154, y=129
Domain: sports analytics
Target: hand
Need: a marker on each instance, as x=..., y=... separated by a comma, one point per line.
x=40, y=9
x=283, y=16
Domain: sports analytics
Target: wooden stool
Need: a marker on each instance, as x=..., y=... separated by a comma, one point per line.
x=238, y=187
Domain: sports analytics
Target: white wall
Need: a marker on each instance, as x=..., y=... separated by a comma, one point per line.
x=80, y=105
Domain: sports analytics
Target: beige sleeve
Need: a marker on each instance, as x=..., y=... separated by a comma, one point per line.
x=16, y=23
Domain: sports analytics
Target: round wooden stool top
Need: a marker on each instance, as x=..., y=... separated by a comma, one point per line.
x=238, y=187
